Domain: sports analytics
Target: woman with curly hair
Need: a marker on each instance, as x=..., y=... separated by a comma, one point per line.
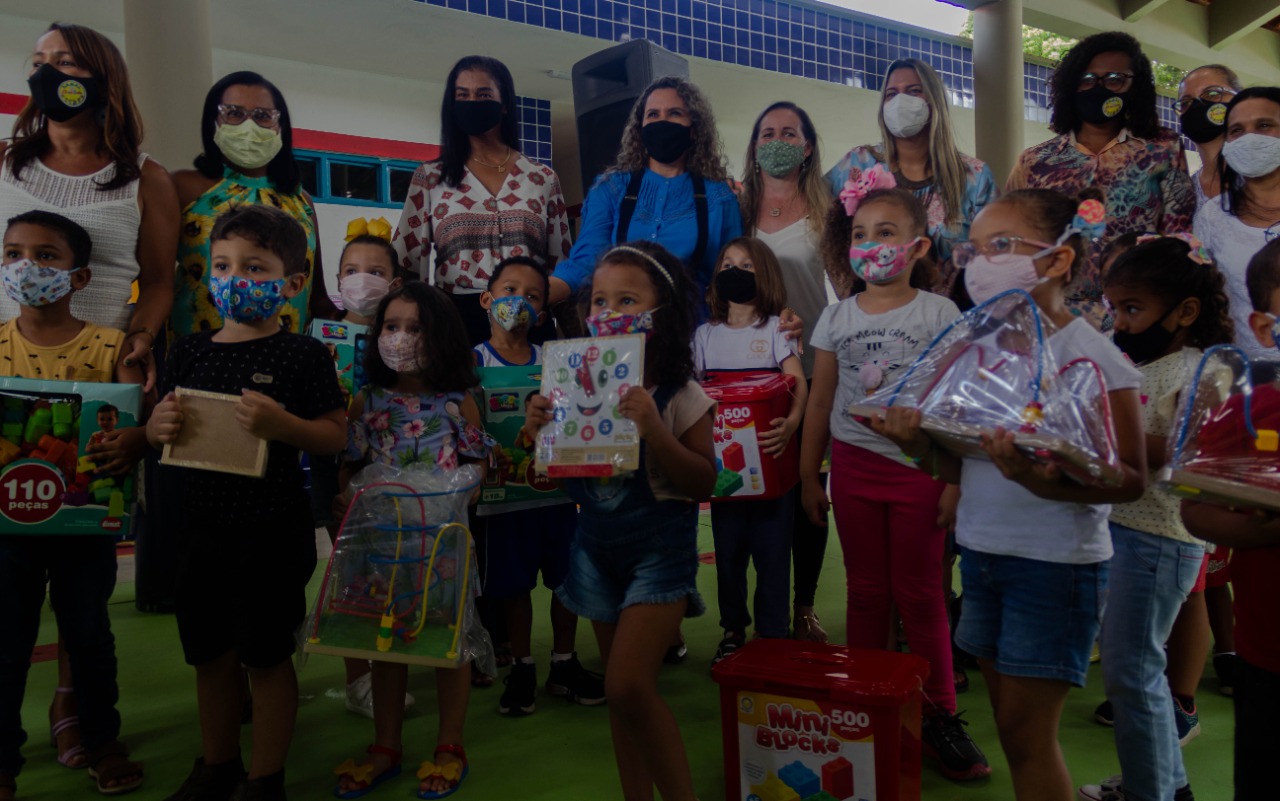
x=918, y=146
x=1109, y=136
x=669, y=185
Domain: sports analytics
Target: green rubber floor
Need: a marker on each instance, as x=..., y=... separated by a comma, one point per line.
x=560, y=753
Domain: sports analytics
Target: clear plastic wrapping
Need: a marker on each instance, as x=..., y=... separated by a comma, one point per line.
x=584, y=380
x=1223, y=448
x=402, y=581
x=992, y=368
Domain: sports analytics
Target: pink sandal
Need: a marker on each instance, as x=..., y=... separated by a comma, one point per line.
x=73, y=757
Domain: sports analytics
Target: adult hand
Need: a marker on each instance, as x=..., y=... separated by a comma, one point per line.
x=792, y=326
x=138, y=356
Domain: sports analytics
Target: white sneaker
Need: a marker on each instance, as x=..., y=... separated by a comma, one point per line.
x=360, y=696
x=1108, y=790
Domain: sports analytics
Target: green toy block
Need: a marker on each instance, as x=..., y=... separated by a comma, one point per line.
x=102, y=494
x=13, y=432
x=727, y=483
x=101, y=484
x=62, y=413
x=127, y=489
x=38, y=424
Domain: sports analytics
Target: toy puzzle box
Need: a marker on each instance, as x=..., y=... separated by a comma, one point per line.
x=515, y=484
x=48, y=482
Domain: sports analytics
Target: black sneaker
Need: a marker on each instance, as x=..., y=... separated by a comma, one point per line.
x=522, y=686
x=1105, y=714
x=727, y=647
x=573, y=682
x=210, y=782
x=1224, y=665
x=946, y=742
x=1186, y=721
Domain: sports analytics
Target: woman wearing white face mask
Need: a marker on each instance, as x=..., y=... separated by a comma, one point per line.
x=1246, y=216
x=247, y=160
x=918, y=147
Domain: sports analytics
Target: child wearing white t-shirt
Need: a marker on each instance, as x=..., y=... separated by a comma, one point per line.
x=746, y=296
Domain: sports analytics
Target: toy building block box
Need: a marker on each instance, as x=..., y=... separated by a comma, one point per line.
x=346, y=343
x=515, y=484
x=746, y=405
x=49, y=484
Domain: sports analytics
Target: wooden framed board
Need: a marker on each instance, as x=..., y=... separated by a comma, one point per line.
x=212, y=439
x=1218, y=490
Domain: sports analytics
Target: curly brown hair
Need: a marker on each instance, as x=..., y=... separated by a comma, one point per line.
x=1165, y=268
x=706, y=157
x=837, y=238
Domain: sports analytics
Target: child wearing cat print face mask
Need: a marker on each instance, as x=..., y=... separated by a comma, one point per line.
x=891, y=515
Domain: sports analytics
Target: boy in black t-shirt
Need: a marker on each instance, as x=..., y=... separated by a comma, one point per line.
x=247, y=544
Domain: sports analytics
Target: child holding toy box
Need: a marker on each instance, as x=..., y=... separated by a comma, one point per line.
x=257, y=530
x=46, y=261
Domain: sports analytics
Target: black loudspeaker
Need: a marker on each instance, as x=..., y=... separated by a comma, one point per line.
x=605, y=87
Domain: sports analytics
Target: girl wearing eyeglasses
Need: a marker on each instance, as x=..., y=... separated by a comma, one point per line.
x=1203, y=96
x=1109, y=137
x=247, y=160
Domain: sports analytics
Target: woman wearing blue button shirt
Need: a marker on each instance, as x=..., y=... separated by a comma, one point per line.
x=669, y=176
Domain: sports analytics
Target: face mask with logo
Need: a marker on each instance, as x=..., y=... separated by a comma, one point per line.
x=905, y=115
x=400, y=351
x=361, y=292
x=1098, y=105
x=609, y=323
x=666, y=141
x=245, y=300
x=512, y=312
x=248, y=145
x=476, y=117
x=880, y=264
x=1253, y=155
x=735, y=285
x=30, y=284
x=984, y=278
x=779, y=158
x=1202, y=122
x=60, y=96
x=1146, y=345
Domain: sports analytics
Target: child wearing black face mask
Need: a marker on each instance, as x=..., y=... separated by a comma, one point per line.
x=745, y=297
x=1169, y=303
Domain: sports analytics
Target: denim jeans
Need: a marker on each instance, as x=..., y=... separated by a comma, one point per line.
x=81, y=574
x=759, y=532
x=1151, y=576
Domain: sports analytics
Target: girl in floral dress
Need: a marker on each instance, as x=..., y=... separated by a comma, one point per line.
x=415, y=409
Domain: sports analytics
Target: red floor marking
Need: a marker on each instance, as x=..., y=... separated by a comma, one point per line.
x=45, y=653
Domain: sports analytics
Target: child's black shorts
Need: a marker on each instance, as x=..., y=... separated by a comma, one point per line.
x=243, y=588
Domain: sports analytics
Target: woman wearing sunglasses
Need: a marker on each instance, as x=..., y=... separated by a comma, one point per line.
x=247, y=159
x=1109, y=137
x=1203, y=96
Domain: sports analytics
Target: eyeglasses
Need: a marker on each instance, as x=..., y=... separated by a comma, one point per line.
x=1211, y=95
x=1115, y=81
x=234, y=115
x=965, y=252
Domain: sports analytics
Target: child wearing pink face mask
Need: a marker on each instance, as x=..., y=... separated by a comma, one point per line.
x=890, y=514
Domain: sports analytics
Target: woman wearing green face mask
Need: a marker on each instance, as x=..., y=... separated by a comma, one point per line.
x=247, y=159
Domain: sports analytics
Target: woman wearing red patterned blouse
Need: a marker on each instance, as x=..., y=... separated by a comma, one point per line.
x=482, y=201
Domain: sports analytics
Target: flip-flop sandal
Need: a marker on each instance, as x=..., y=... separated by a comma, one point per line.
x=57, y=727
x=115, y=772
x=361, y=772
x=454, y=772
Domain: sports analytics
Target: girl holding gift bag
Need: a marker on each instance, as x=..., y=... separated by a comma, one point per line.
x=888, y=513
x=1035, y=544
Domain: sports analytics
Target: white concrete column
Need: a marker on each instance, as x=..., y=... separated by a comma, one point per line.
x=997, y=84
x=169, y=48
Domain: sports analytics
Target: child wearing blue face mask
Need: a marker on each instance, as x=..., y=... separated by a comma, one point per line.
x=891, y=515
x=46, y=258
x=517, y=545
x=258, y=532
x=634, y=561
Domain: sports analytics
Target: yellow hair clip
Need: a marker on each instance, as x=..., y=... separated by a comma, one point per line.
x=378, y=227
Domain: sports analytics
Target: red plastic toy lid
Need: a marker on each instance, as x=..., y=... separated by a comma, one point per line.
x=875, y=678
x=746, y=386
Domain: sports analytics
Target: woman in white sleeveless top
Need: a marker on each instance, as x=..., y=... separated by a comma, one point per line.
x=75, y=152
x=60, y=160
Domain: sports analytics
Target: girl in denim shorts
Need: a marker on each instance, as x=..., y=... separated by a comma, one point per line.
x=634, y=562
x=1035, y=544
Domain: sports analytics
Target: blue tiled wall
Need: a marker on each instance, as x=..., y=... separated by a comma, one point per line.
x=535, y=128
x=792, y=39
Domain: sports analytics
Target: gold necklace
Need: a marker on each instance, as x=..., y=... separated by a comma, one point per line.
x=501, y=166
x=776, y=211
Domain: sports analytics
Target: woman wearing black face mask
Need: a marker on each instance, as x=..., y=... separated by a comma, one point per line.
x=1109, y=136
x=482, y=201
x=670, y=155
x=1203, y=96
